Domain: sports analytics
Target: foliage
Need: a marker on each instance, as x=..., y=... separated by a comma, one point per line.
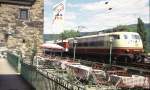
x=120, y=28
x=141, y=31
x=50, y=37
x=69, y=34
x=132, y=28
x=147, y=40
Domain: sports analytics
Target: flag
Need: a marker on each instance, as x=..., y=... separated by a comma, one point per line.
x=58, y=12
x=58, y=17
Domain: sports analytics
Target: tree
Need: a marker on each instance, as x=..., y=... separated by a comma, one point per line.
x=141, y=31
x=69, y=34
x=120, y=28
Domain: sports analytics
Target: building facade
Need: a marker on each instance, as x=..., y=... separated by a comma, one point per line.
x=21, y=22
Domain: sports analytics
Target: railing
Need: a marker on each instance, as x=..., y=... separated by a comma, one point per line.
x=14, y=60
x=43, y=80
x=40, y=79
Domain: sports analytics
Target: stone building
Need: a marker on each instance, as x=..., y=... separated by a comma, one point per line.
x=21, y=22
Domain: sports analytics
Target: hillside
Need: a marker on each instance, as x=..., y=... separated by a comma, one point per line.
x=49, y=37
x=132, y=27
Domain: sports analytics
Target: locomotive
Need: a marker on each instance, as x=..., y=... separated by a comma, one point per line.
x=122, y=46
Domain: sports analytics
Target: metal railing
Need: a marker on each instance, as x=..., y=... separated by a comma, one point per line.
x=40, y=79
x=14, y=60
x=43, y=80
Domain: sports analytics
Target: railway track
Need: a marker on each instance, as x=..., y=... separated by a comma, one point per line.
x=135, y=67
x=140, y=65
x=144, y=66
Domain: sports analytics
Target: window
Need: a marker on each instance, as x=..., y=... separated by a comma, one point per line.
x=125, y=37
x=24, y=14
x=91, y=43
x=116, y=36
x=100, y=43
x=85, y=44
x=135, y=37
x=101, y=38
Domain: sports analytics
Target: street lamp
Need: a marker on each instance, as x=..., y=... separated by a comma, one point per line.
x=74, y=48
x=110, y=53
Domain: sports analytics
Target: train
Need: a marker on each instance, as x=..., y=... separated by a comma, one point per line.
x=122, y=46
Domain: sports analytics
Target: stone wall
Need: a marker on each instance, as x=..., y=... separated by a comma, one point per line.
x=19, y=31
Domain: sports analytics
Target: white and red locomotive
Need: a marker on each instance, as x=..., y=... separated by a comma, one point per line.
x=124, y=45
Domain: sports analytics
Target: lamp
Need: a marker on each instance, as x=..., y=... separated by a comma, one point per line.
x=111, y=38
x=74, y=48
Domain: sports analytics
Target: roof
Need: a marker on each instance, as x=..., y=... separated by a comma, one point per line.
x=104, y=34
x=18, y=2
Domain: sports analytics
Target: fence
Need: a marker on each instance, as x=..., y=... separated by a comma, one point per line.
x=43, y=80
x=14, y=60
x=40, y=79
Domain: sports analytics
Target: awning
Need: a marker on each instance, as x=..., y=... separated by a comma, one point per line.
x=52, y=46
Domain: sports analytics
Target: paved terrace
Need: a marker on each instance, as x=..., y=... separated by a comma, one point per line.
x=10, y=79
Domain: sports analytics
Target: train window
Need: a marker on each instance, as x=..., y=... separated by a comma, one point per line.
x=101, y=38
x=80, y=44
x=135, y=37
x=125, y=37
x=116, y=36
x=94, y=43
x=85, y=44
x=100, y=43
x=90, y=43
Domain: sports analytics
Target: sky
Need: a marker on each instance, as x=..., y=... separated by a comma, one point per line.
x=94, y=15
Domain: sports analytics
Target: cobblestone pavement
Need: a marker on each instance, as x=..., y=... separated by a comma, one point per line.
x=10, y=79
